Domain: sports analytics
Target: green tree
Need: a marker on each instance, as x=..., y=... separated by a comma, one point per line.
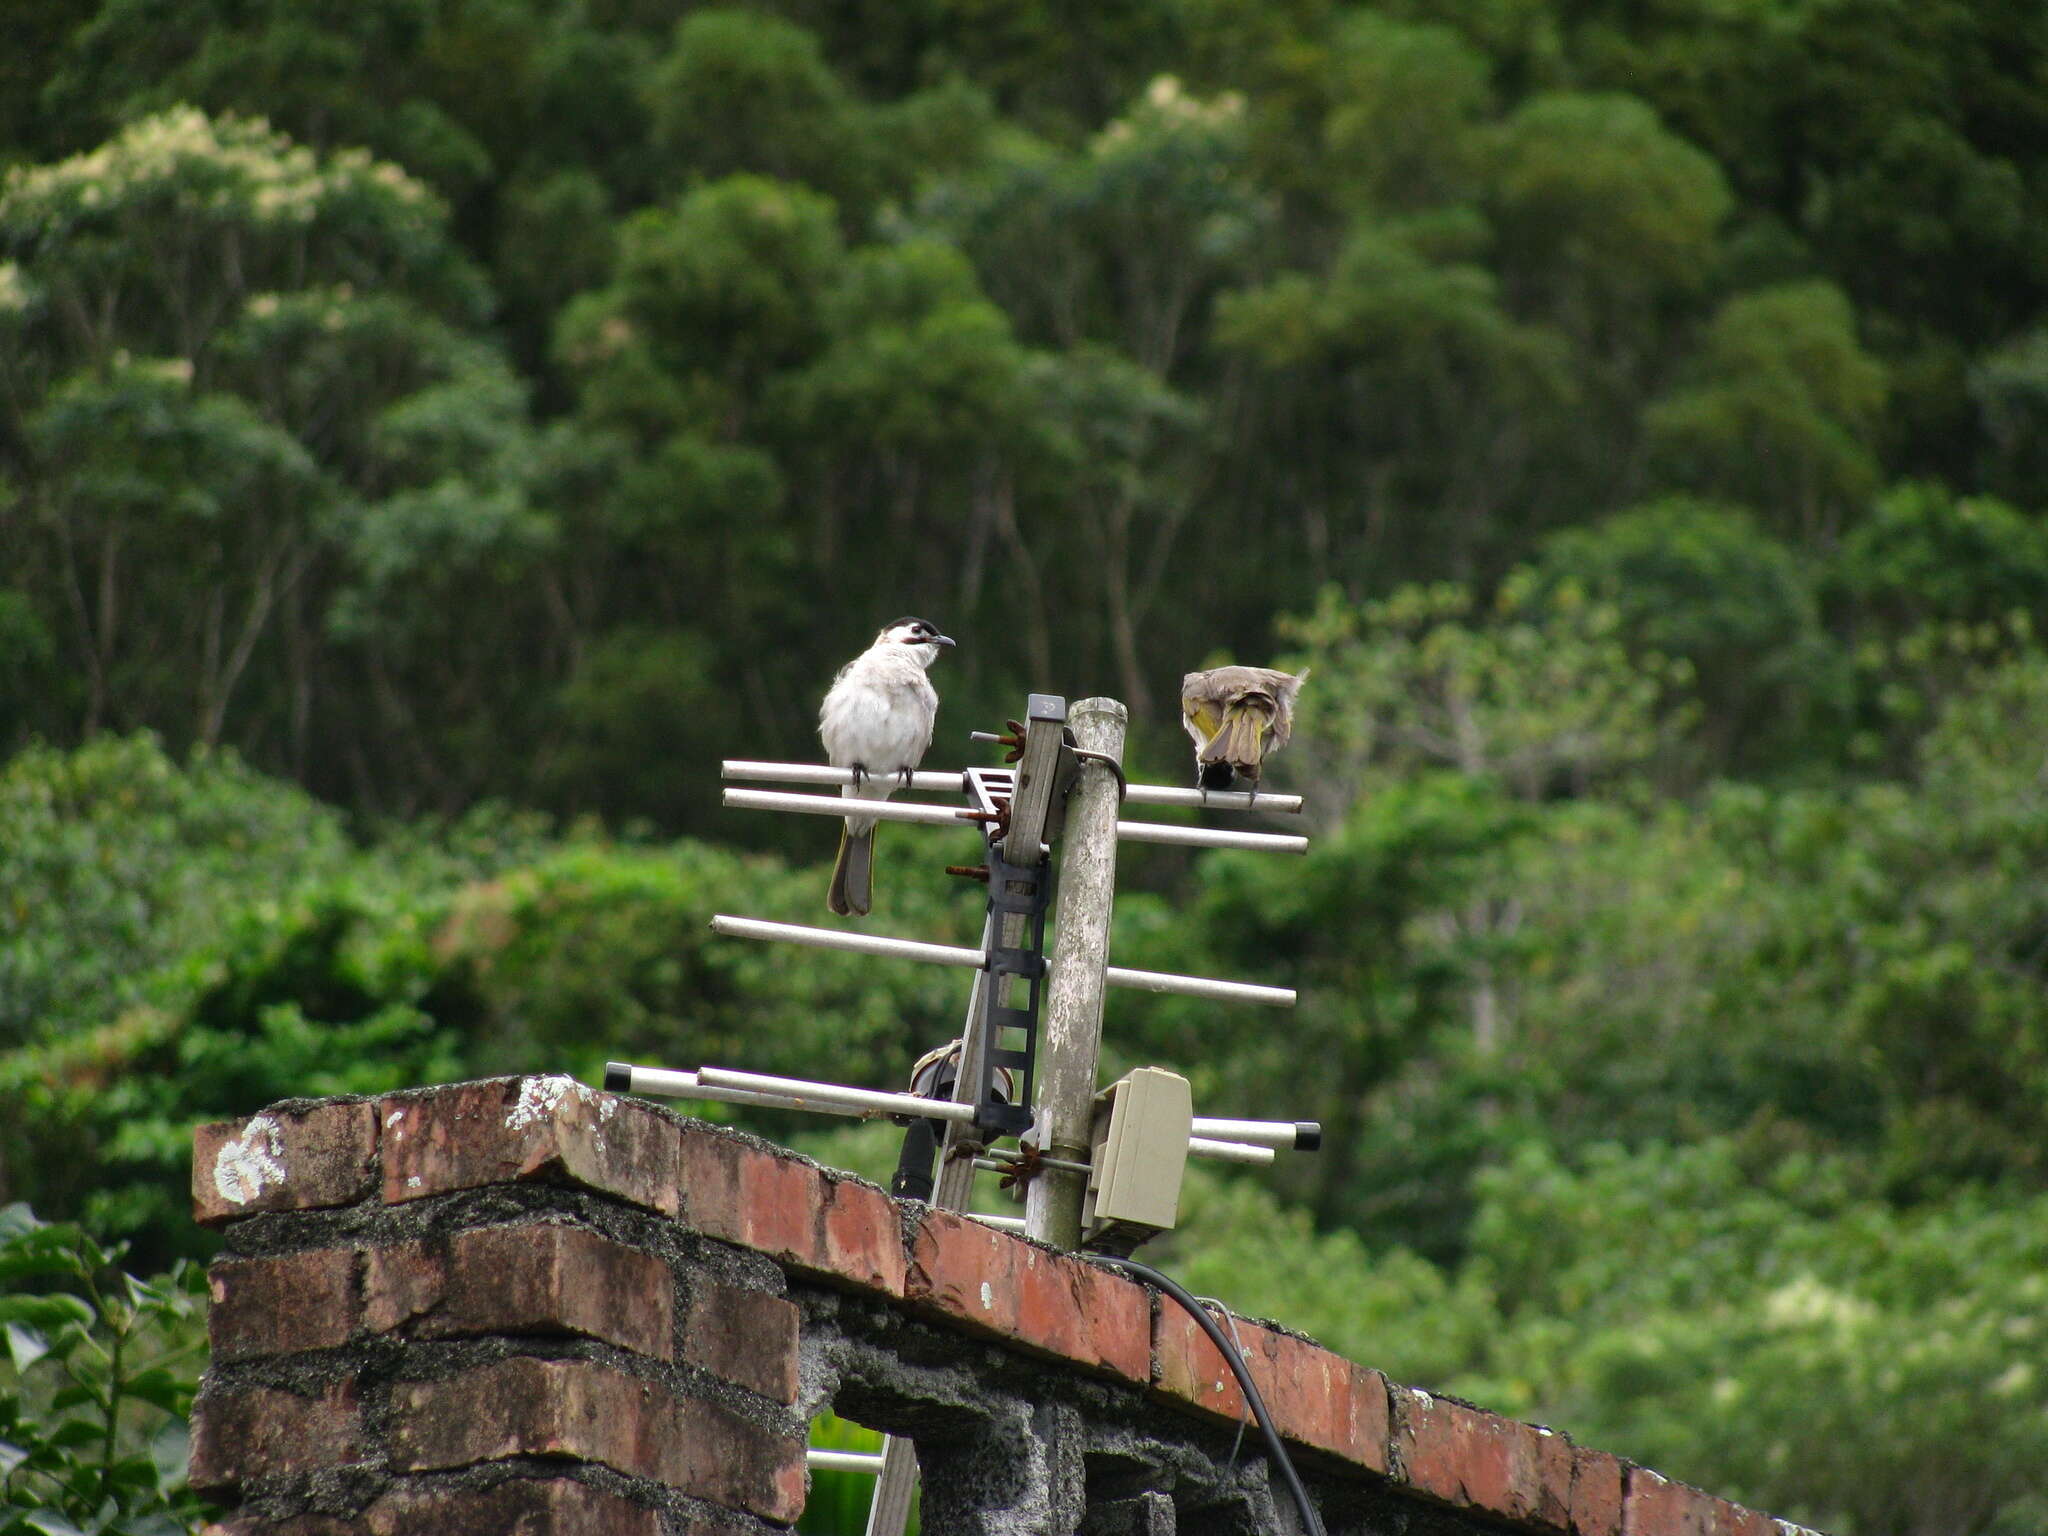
x=245, y=393
x=1701, y=584
x=1782, y=410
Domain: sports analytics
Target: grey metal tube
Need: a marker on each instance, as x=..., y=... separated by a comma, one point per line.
x=954, y=783
x=973, y=959
x=1209, y=837
x=831, y=1096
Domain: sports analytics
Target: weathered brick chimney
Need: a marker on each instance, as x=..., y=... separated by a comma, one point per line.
x=524, y=1306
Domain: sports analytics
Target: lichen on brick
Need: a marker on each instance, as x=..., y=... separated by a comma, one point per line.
x=251, y=1163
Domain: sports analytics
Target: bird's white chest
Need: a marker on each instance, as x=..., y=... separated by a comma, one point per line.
x=879, y=714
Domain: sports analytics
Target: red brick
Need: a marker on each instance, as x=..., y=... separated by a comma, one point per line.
x=735, y=1463
x=590, y=1412
x=1315, y=1397
x=538, y=1277
x=284, y=1160
x=1657, y=1506
x=1597, y=1483
x=509, y=1129
x=264, y=1431
x=556, y=1506
x=997, y=1284
x=1476, y=1460
x=527, y=1407
x=272, y=1306
x=1557, y=1477
x=836, y=1228
x=745, y=1337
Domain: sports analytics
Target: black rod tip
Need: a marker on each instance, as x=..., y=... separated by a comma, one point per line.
x=1308, y=1136
x=618, y=1077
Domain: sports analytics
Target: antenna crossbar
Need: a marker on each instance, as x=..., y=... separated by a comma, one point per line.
x=947, y=816
x=834, y=805
x=725, y=1085
x=943, y=783
x=963, y=958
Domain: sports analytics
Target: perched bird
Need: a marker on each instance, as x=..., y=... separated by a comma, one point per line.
x=877, y=720
x=1236, y=715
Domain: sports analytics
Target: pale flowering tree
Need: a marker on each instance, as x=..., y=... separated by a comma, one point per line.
x=232, y=371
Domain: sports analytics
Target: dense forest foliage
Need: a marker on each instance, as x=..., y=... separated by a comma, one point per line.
x=434, y=432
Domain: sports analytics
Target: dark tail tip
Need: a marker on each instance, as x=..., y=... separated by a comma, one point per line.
x=618, y=1077
x=1308, y=1135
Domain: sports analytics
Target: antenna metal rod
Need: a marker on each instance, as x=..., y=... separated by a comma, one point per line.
x=836, y=1097
x=1212, y=799
x=835, y=805
x=946, y=816
x=819, y=1460
x=1206, y=837
x=859, y=943
x=1229, y=1151
x=973, y=959
x=820, y=773
x=620, y=1077
x=1200, y=986
x=1287, y=1135
x=955, y=783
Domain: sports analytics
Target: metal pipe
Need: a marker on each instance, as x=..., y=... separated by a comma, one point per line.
x=1229, y=1151
x=1212, y=799
x=859, y=943
x=839, y=805
x=821, y=1460
x=826, y=1095
x=946, y=816
x=954, y=783
x=1070, y=1044
x=1201, y=986
x=1015, y=1160
x=973, y=959
x=837, y=1099
x=620, y=1077
x=819, y=773
x=1287, y=1135
x=1206, y=837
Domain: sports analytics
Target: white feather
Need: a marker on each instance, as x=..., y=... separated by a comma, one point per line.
x=878, y=717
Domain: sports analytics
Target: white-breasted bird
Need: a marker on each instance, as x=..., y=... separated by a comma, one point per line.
x=1236, y=716
x=877, y=720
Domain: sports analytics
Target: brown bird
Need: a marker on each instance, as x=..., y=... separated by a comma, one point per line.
x=1235, y=716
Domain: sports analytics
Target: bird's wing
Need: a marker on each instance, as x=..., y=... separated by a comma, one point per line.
x=1202, y=716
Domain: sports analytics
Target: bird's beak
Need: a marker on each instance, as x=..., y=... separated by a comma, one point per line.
x=940, y=640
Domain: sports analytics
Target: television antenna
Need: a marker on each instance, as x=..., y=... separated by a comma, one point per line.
x=1101, y=1166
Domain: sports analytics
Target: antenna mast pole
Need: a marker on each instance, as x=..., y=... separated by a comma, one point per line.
x=1079, y=966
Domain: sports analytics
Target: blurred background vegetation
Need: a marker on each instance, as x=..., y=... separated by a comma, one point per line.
x=433, y=432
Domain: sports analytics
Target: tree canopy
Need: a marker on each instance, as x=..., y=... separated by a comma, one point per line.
x=432, y=432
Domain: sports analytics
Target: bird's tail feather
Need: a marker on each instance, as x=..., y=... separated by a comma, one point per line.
x=853, y=874
x=1241, y=738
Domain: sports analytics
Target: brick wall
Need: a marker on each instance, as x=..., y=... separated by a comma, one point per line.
x=526, y=1306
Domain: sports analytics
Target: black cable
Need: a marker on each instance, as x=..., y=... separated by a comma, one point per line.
x=1311, y=1524
x=1123, y=785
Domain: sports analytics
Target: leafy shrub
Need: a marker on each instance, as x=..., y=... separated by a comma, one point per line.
x=98, y=1380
